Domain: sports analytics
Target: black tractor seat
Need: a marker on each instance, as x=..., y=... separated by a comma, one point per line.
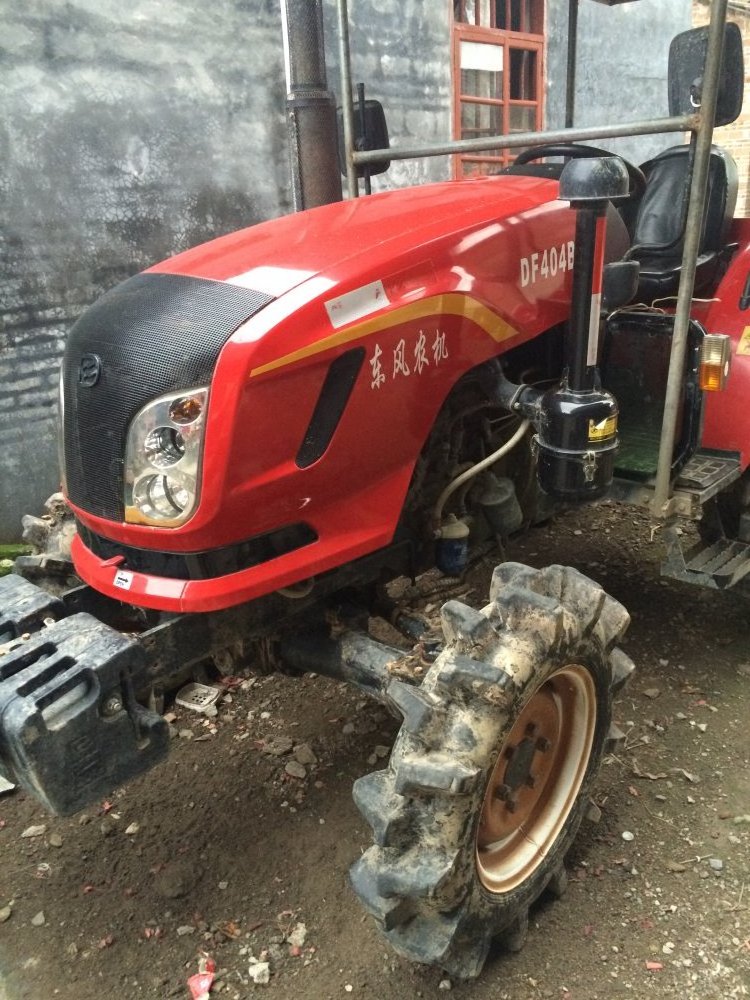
x=658, y=230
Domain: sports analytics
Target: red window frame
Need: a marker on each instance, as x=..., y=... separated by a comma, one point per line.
x=513, y=44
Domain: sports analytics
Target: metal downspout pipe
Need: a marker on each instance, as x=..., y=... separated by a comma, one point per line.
x=310, y=107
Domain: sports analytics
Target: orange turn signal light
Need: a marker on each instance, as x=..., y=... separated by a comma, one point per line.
x=715, y=360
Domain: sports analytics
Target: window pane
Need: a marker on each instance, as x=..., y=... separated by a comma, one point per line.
x=519, y=15
x=481, y=55
x=522, y=119
x=522, y=75
x=480, y=119
x=481, y=70
x=472, y=168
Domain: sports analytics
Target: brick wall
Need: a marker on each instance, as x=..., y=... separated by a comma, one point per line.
x=735, y=137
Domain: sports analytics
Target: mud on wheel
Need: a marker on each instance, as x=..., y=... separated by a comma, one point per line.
x=491, y=771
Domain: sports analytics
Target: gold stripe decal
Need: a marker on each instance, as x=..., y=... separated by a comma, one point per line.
x=450, y=304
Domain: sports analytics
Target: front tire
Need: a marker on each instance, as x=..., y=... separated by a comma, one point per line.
x=492, y=769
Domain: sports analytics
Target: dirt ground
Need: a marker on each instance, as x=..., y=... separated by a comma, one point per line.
x=221, y=851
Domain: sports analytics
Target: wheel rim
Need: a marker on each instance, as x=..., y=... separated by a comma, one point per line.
x=536, y=779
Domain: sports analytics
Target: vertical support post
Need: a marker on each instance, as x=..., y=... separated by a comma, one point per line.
x=311, y=109
x=660, y=506
x=345, y=63
x=570, y=79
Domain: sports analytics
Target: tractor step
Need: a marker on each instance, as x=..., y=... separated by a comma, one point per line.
x=719, y=565
x=70, y=727
x=705, y=470
x=705, y=475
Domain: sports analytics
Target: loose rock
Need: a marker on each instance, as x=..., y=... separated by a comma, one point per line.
x=295, y=769
x=259, y=972
x=278, y=746
x=303, y=754
x=38, y=920
x=298, y=936
x=35, y=831
x=593, y=813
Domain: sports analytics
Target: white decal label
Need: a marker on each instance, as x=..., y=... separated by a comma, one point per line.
x=354, y=305
x=547, y=263
x=594, y=319
x=408, y=358
x=123, y=579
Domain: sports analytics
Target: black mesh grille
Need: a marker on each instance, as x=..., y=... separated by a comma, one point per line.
x=154, y=333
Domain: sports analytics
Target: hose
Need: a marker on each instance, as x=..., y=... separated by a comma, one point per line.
x=451, y=488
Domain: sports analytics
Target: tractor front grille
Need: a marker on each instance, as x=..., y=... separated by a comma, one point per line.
x=152, y=334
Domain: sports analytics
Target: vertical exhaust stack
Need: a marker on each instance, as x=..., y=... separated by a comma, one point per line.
x=577, y=437
x=310, y=107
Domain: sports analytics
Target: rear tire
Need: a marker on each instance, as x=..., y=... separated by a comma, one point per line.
x=491, y=772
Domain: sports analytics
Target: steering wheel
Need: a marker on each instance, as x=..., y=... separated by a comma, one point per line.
x=575, y=151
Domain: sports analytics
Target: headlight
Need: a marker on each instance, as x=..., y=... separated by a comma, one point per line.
x=162, y=459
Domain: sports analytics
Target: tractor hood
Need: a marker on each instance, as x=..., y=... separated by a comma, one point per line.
x=278, y=293
x=278, y=255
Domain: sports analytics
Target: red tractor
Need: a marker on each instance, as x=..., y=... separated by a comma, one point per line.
x=285, y=419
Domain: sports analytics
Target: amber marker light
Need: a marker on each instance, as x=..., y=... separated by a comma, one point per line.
x=715, y=360
x=186, y=409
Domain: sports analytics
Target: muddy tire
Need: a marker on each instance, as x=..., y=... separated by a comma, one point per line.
x=491, y=772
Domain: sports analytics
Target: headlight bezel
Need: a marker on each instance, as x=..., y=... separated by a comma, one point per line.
x=155, y=476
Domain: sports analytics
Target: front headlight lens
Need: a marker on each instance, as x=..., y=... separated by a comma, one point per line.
x=162, y=459
x=164, y=446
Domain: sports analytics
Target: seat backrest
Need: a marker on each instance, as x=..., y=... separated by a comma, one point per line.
x=659, y=228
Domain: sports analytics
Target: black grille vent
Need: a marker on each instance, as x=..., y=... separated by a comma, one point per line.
x=153, y=334
x=202, y=565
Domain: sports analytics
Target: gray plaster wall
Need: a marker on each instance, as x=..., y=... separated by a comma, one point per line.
x=401, y=51
x=130, y=131
x=621, y=66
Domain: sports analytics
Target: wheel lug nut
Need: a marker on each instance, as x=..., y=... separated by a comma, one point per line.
x=112, y=705
x=502, y=792
x=543, y=744
x=531, y=729
x=530, y=781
